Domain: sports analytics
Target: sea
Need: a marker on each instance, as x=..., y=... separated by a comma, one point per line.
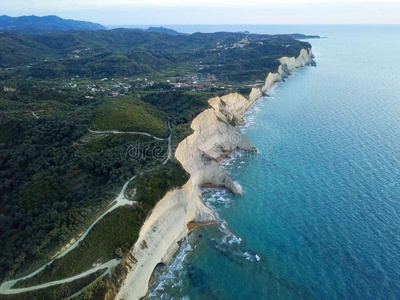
x=320, y=213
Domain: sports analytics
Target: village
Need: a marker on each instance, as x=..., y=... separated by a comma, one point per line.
x=114, y=87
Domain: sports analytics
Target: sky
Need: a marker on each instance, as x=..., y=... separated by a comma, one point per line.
x=154, y=12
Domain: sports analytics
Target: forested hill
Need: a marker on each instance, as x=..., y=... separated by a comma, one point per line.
x=164, y=30
x=132, y=52
x=40, y=25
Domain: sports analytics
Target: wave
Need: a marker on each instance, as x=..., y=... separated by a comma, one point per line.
x=171, y=275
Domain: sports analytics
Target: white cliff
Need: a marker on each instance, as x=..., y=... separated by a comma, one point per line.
x=214, y=136
x=287, y=67
x=160, y=234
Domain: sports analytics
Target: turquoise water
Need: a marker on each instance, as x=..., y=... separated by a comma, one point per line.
x=320, y=214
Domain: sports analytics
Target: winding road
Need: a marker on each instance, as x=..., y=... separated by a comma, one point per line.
x=169, y=155
x=127, y=132
x=6, y=287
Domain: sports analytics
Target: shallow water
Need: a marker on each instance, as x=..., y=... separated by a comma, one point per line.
x=320, y=213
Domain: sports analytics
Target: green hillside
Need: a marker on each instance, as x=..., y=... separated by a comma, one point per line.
x=128, y=114
x=129, y=52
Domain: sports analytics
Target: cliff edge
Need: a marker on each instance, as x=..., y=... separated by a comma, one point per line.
x=287, y=67
x=214, y=136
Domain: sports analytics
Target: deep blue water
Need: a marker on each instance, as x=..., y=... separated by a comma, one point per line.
x=320, y=213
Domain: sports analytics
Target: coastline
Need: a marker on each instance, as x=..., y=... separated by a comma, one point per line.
x=214, y=136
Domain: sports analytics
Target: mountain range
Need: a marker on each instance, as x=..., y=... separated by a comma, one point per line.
x=41, y=25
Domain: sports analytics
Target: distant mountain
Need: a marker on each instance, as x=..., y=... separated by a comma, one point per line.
x=164, y=30
x=47, y=24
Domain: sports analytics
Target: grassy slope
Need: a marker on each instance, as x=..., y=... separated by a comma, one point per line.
x=128, y=114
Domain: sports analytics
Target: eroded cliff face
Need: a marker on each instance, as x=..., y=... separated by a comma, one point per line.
x=287, y=67
x=214, y=136
x=160, y=234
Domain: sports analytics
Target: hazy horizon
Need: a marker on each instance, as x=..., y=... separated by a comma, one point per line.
x=216, y=12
